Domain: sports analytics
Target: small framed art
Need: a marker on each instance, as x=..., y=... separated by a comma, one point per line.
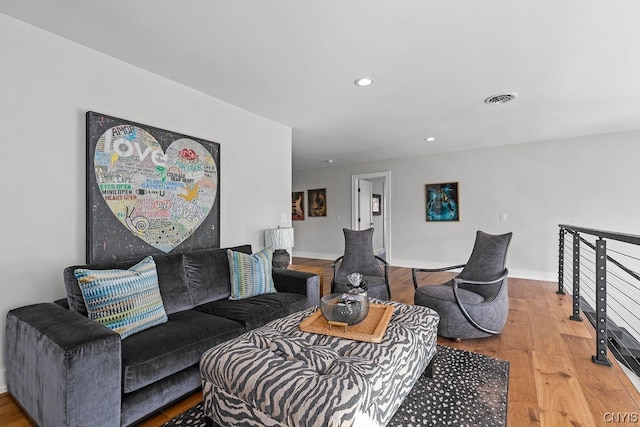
x=297, y=205
x=318, y=202
x=442, y=202
x=376, y=204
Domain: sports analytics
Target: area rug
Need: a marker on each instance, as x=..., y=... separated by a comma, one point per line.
x=467, y=389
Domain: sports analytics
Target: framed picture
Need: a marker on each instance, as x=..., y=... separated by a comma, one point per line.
x=317, y=202
x=149, y=191
x=376, y=204
x=297, y=205
x=442, y=202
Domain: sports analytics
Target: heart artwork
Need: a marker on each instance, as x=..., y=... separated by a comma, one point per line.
x=161, y=197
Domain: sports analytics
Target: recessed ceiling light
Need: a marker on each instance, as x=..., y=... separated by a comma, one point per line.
x=364, y=81
x=500, y=98
x=329, y=160
x=430, y=138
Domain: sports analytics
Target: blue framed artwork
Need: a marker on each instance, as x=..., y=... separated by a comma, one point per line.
x=442, y=202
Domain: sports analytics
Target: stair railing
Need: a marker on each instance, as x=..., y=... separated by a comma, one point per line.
x=612, y=286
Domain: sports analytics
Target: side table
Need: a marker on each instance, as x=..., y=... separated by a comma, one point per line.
x=309, y=269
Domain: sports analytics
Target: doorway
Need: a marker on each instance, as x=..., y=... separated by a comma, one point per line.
x=365, y=187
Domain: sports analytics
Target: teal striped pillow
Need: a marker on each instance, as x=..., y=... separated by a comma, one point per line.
x=126, y=301
x=250, y=274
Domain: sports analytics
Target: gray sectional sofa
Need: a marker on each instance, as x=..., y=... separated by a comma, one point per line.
x=65, y=369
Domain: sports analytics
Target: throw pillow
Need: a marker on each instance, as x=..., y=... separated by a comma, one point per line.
x=126, y=301
x=250, y=274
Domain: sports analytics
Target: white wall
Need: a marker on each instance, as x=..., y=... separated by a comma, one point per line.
x=46, y=86
x=589, y=181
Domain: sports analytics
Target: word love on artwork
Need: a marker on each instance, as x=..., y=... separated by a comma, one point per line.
x=161, y=197
x=121, y=139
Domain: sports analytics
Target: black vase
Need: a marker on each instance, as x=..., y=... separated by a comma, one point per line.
x=280, y=258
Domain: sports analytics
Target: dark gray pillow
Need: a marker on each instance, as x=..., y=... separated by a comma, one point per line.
x=358, y=255
x=488, y=257
x=171, y=280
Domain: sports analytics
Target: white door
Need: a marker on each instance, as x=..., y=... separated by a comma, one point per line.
x=385, y=227
x=365, y=218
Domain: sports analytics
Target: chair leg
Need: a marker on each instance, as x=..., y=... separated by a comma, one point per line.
x=428, y=371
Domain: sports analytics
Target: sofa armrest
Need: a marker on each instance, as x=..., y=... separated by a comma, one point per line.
x=63, y=368
x=298, y=282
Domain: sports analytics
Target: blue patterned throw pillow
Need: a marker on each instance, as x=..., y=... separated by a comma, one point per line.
x=250, y=274
x=126, y=301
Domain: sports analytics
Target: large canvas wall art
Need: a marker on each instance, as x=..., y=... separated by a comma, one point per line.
x=149, y=191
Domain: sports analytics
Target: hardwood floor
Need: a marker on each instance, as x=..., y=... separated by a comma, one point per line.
x=553, y=381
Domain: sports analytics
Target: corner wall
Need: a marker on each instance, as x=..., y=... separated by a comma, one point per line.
x=47, y=85
x=586, y=181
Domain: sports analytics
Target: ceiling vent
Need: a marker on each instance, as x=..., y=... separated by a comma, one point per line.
x=502, y=98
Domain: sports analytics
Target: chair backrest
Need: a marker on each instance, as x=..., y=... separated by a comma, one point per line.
x=488, y=258
x=358, y=254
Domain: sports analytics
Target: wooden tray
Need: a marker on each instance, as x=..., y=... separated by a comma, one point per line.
x=371, y=329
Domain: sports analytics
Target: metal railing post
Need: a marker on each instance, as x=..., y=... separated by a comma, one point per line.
x=601, y=304
x=576, y=278
x=560, y=290
x=602, y=324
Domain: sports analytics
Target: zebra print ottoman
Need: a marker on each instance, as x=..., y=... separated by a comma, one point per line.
x=277, y=375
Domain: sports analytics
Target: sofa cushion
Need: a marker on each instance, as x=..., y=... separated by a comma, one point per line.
x=74, y=294
x=258, y=310
x=161, y=351
x=250, y=274
x=126, y=301
x=173, y=283
x=171, y=280
x=208, y=275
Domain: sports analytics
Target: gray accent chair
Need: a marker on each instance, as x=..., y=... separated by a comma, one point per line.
x=475, y=303
x=359, y=258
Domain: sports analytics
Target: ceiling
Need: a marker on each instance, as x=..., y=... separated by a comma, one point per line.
x=575, y=65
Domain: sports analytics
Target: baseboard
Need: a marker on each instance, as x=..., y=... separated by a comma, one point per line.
x=3, y=381
x=544, y=276
x=412, y=264
x=521, y=274
x=315, y=255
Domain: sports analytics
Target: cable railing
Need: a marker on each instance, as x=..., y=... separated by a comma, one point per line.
x=601, y=267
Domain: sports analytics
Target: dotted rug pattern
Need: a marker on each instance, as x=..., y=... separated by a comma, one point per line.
x=467, y=390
